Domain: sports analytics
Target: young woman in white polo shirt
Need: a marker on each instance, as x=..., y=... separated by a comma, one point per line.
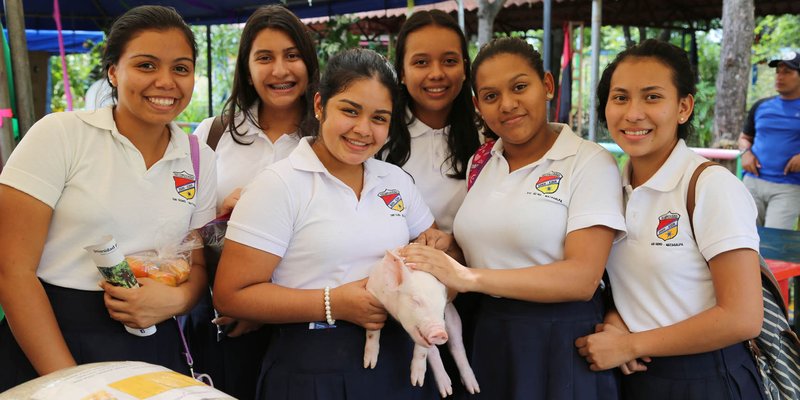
x=304, y=235
x=434, y=132
x=685, y=298
x=535, y=228
x=77, y=176
x=271, y=106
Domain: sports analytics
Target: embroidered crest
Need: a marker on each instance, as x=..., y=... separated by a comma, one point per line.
x=548, y=183
x=184, y=184
x=393, y=199
x=667, y=226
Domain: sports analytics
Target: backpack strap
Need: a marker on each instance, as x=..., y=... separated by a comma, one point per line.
x=767, y=277
x=479, y=160
x=215, y=132
x=690, y=194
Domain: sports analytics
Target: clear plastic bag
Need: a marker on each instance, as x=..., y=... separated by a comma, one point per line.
x=170, y=263
x=213, y=234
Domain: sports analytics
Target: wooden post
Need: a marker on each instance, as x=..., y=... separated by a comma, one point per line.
x=209, y=72
x=7, y=130
x=579, y=111
x=15, y=17
x=597, y=18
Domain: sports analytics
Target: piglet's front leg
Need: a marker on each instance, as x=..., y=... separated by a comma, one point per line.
x=418, y=366
x=452, y=322
x=372, y=348
x=443, y=382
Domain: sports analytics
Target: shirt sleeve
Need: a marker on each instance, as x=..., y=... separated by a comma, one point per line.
x=750, y=123
x=207, y=189
x=596, y=193
x=264, y=216
x=419, y=216
x=40, y=165
x=202, y=130
x=724, y=215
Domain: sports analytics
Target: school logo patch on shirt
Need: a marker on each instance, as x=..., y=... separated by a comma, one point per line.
x=392, y=199
x=668, y=226
x=184, y=184
x=548, y=183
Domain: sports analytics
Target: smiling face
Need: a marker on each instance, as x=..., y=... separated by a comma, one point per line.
x=644, y=109
x=433, y=72
x=512, y=98
x=277, y=70
x=354, y=123
x=154, y=78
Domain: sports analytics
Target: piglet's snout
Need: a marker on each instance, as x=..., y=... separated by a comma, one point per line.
x=436, y=335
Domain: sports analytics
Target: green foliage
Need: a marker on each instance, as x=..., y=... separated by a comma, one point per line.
x=774, y=33
x=703, y=114
x=709, y=46
x=82, y=69
x=224, y=48
x=337, y=37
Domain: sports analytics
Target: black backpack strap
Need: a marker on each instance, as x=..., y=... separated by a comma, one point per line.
x=215, y=133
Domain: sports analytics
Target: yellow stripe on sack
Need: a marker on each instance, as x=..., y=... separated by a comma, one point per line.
x=148, y=385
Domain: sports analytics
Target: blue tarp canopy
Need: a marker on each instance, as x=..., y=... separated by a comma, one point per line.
x=74, y=41
x=99, y=14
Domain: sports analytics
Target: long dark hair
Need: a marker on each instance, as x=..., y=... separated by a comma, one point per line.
x=462, y=137
x=671, y=56
x=243, y=95
x=139, y=19
x=505, y=45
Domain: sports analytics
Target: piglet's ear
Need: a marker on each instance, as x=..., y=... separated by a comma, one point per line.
x=395, y=268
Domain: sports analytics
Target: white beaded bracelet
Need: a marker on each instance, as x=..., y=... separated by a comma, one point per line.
x=328, y=316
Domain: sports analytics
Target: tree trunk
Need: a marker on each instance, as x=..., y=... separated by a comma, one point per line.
x=487, y=11
x=734, y=71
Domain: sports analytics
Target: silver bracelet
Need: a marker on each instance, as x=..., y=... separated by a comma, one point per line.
x=327, y=298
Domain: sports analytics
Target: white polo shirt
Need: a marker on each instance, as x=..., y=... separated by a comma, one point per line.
x=95, y=180
x=659, y=273
x=297, y=210
x=428, y=165
x=521, y=219
x=238, y=164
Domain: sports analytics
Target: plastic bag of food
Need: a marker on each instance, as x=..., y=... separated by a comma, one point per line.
x=170, y=263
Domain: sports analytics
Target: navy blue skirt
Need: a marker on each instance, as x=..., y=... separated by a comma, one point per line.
x=727, y=374
x=525, y=350
x=91, y=336
x=328, y=364
x=233, y=363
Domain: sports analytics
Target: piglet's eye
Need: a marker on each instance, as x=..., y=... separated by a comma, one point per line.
x=417, y=300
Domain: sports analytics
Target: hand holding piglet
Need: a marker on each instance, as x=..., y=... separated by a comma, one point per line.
x=352, y=302
x=437, y=263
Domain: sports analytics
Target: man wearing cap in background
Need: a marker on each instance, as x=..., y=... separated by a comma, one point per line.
x=770, y=148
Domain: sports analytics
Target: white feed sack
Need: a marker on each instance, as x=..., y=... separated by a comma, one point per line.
x=122, y=380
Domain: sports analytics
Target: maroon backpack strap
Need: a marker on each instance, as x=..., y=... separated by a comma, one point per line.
x=691, y=193
x=479, y=160
x=215, y=132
